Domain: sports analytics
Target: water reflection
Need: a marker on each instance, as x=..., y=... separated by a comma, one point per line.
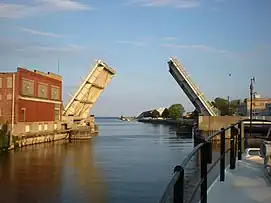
x=83, y=181
x=58, y=172
x=127, y=162
x=32, y=175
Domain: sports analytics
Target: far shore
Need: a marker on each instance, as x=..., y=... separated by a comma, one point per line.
x=181, y=121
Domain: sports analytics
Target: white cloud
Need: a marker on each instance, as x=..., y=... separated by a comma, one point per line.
x=134, y=43
x=175, y=3
x=196, y=47
x=13, y=10
x=68, y=48
x=38, y=7
x=63, y=5
x=40, y=33
x=25, y=48
x=169, y=38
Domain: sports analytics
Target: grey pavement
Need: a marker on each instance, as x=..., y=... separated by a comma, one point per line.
x=245, y=184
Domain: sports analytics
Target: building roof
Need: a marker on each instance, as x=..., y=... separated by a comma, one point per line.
x=148, y=113
x=160, y=110
x=257, y=99
x=48, y=74
x=6, y=73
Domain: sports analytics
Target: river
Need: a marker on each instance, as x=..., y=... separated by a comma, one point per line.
x=126, y=162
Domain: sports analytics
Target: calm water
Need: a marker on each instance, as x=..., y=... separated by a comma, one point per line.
x=127, y=162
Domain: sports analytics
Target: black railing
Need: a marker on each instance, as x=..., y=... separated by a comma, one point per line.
x=176, y=189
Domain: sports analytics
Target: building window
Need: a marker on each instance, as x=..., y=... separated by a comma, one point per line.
x=22, y=115
x=40, y=127
x=9, y=96
x=0, y=96
x=9, y=82
x=55, y=93
x=27, y=128
x=57, y=114
x=28, y=87
x=1, y=82
x=42, y=91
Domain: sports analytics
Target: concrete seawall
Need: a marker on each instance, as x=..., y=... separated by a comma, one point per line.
x=25, y=139
x=215, y=123
x=42, y=132
x=28, y=139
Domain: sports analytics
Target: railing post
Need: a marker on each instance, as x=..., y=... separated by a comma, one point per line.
x=240, y=141
x=179, y=185
x=209, y=151
x=222, y=154
x=203, y=172
x=232, y=149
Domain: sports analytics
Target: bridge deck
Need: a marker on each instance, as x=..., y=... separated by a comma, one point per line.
x=247, y=183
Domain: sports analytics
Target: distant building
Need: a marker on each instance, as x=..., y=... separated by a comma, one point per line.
x=30, y=96
x=145, y=114
x=148, y=114
x=160, y=110
x=266, y=111
x=259, y=106
x=268, y=107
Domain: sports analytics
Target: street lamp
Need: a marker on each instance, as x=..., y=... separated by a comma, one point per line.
x=252, y=81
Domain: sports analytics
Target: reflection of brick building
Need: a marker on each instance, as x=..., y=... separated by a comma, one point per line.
x=30, y=96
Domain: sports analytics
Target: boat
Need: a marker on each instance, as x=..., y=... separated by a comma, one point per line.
x=124, y=118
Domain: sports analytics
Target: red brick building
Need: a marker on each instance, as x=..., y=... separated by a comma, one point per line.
x=30, y=96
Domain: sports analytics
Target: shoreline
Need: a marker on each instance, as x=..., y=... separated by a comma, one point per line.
x=35, y=138
x=180, y=122
x=184, y=127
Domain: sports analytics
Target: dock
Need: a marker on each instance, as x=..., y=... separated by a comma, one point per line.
x=242, y=175
x=247, y=183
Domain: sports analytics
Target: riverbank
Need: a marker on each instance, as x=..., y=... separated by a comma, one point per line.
x=184, y=127
x=179, y=122
x=33, y=138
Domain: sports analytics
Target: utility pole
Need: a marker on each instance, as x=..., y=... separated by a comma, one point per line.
x=229, y=100
x=229, y=105
x=252, y=80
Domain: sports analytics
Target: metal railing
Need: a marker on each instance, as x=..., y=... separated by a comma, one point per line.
x=175, y=190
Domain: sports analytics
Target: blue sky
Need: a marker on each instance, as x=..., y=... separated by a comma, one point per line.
x=211, y=38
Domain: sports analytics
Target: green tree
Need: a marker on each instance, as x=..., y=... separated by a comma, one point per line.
x=176, y=111
x=165, y=113
x=234, y=105
x=4, y=136
x=155, y=114
x=225, y=107
x=222, y=105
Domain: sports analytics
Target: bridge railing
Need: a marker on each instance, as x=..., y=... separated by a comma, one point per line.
x=209, y=107
x=191, y=179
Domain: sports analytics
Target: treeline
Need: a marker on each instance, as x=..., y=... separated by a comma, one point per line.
x=175, y=111
x=225, y=106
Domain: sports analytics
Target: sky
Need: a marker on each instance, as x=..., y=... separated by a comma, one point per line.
x=211, y=38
